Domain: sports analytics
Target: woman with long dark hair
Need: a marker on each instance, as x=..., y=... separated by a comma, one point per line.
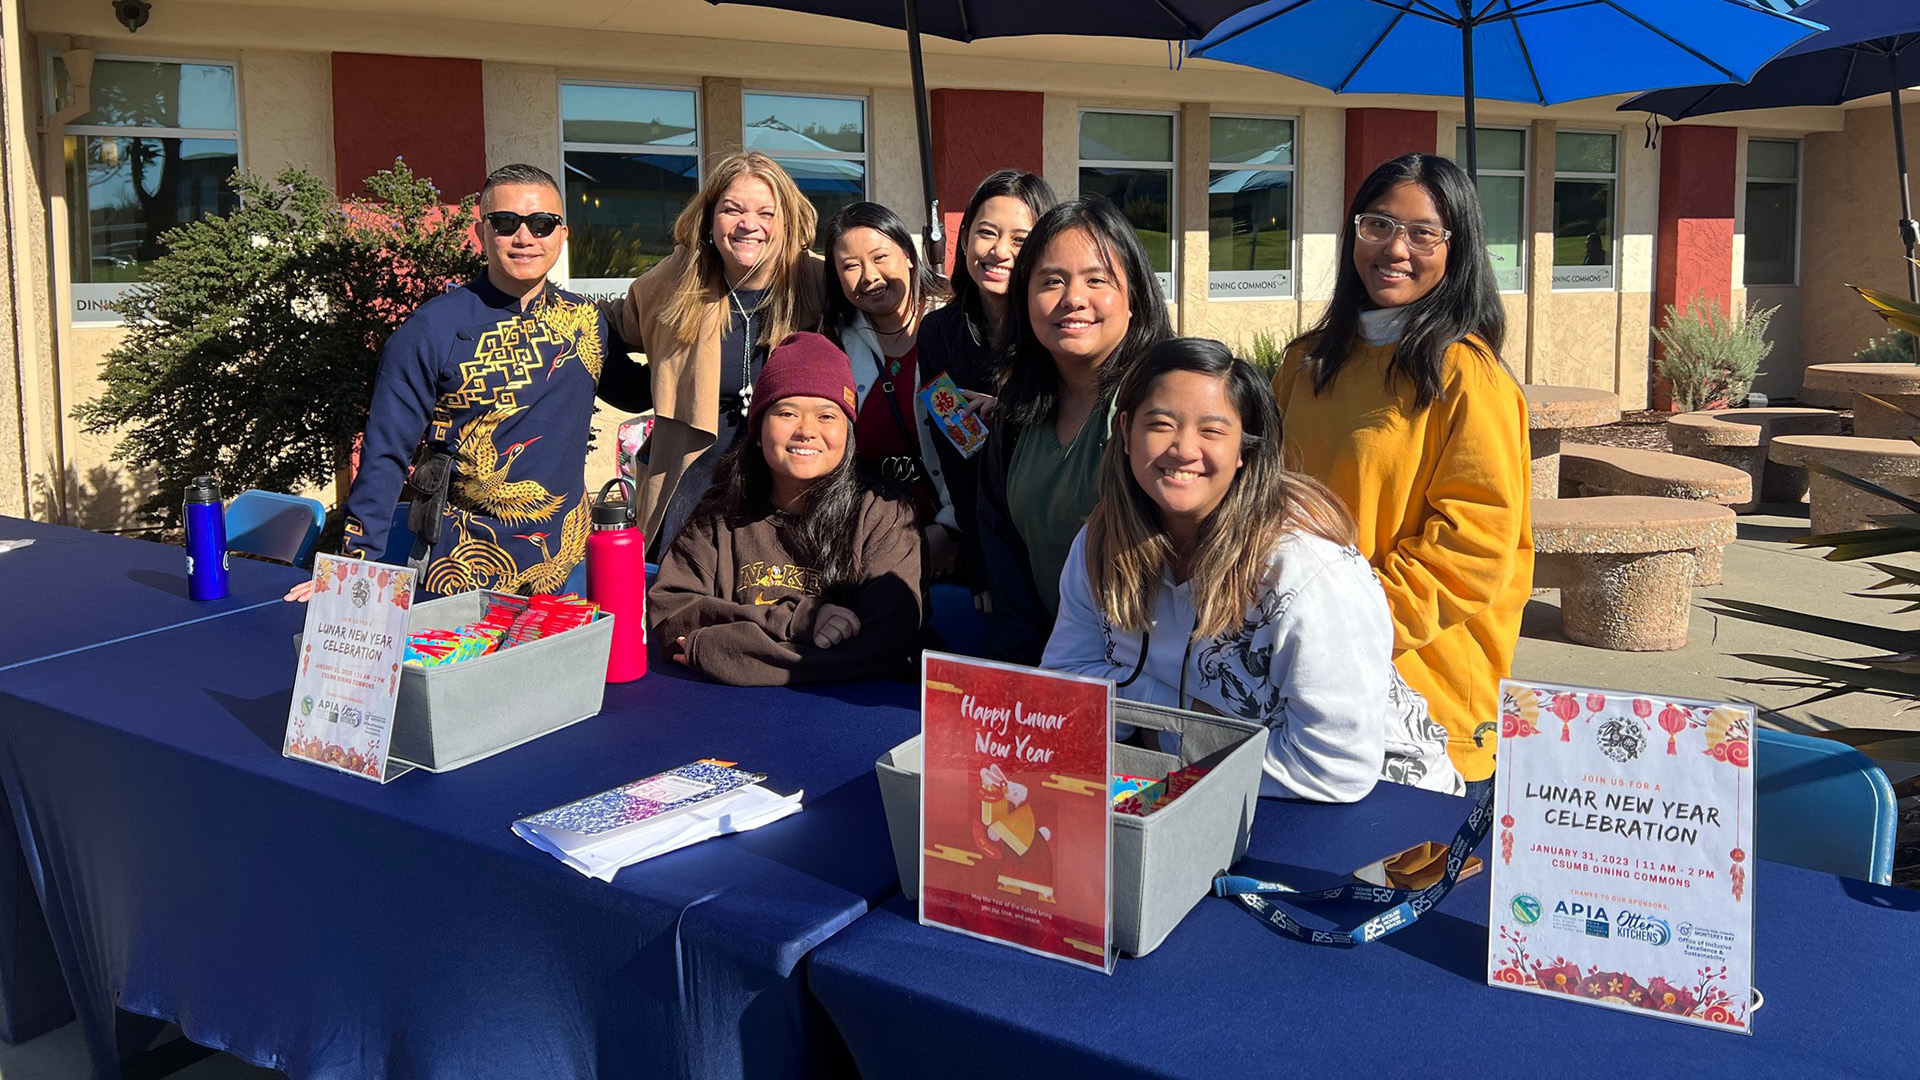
x=1208, y=575
x=1087, y=306
x=961, y=337
x=876, y=293
x=1398, y=400
x=792, y=568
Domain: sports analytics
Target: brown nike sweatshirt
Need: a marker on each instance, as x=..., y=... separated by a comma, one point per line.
x=747, y=608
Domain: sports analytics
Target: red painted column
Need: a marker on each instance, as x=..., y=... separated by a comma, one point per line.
x=1380, y=135
x=426, y=110
x=978, y=132
x=1693, y=253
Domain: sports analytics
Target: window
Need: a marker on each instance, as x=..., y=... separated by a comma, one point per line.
x=820, y=141
x=1585, y=176
x=1773, y=212
x=1128, y=157
x=1503, y=200
x=630, y=158
x=154, y=150
x=1249, y=208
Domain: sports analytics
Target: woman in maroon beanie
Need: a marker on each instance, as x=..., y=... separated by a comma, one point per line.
x=792, y=569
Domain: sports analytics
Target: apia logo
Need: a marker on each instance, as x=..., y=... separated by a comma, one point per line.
x=1579, y=910
x=306, y=705
x=1634, y=926
x=1526, y=908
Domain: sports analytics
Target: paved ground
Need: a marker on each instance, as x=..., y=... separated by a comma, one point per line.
x=1790, y=591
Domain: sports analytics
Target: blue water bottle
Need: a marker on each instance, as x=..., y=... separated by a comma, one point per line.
x=206, y=540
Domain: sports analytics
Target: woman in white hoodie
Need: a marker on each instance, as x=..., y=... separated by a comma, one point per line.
x=1208, y=577
x=876, y=293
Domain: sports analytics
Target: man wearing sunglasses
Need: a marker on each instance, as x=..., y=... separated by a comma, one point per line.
x=493, y=384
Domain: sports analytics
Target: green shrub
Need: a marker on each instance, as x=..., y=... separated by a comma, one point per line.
x=1264, y=353
x=252, y=341
x=1709, y=356
x=1895, y=348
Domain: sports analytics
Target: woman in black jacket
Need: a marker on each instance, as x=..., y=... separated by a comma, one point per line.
x=962, y=337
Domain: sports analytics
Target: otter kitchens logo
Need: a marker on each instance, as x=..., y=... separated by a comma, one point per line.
x=1634, y=926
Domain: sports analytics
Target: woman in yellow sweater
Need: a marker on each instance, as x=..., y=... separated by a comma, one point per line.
x=1398, y=400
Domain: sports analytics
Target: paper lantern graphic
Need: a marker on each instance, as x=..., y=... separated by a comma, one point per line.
x=1673, y=720
x=1566, y=707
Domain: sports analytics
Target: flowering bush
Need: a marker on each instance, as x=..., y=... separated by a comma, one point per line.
x=253, y=340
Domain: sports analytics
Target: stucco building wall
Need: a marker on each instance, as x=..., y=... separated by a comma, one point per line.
x=288, y=56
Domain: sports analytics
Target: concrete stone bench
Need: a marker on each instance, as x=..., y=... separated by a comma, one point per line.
x=1837, y=505
x=1624, y=565
x=1588, y=471
x=1739, y=437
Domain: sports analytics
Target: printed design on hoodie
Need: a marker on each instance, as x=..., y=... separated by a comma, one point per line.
x=1416, y=729
x=1241, y=663
x=752, y=580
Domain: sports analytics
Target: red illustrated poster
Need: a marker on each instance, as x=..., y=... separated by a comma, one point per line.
x=1015, y=841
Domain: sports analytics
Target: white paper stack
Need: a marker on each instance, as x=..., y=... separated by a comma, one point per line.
x=599, y=835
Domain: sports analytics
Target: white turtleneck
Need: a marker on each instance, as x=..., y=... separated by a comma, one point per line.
x=1383, y=326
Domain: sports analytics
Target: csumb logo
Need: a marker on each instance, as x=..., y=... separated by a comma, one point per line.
x=1526, y=908
x=1634, y=926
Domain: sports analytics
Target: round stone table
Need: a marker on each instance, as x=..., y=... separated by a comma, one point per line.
x=1896, y=384
x=1553, y=409
x=1838, y=506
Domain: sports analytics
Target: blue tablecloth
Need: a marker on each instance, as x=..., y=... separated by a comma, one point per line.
x=329, y=926
x=72, y=590
x=1223, y=997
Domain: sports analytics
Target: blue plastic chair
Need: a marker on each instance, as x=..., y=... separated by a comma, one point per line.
x=275, y=526
x=1822, y=805
x=399, y=538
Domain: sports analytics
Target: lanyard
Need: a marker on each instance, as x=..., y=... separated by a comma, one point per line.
x=1407, y=904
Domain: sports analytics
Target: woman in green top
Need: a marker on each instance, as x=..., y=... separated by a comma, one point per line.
x=1086, y=304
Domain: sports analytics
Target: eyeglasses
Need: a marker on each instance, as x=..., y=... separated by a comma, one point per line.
x=507, y=223
x=1380, y=229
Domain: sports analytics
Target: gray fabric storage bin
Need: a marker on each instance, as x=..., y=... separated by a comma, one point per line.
x=1162, y=863
x=456, y=715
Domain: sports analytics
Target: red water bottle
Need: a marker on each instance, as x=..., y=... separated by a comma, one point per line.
x=617, y=580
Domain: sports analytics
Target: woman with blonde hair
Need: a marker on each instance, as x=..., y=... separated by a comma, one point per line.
x=1210, y=577
x=741, y=277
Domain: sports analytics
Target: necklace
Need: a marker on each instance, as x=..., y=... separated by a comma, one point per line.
x=893, y=362
x=746, y=347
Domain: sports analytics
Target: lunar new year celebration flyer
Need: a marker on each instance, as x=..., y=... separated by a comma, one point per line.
x=1015, y=842
x=1622, y=871
x=349, y=674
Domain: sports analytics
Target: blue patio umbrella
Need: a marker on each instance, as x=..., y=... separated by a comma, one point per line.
x=971, y=20
x=1539, y=51
x=1869, y=47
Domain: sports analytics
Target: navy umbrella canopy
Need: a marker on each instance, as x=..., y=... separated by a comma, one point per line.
x=1869, y=47
x=970, y=20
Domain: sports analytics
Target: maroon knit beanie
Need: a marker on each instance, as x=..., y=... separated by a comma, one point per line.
x=804, y=365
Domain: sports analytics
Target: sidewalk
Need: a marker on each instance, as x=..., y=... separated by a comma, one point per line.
x=1784, y=593
x=1763, y=569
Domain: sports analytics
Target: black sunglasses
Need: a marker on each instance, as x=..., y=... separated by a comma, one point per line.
x=507, y=223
